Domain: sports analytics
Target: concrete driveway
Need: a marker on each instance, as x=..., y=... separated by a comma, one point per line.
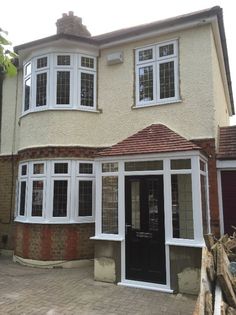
x=26, y=290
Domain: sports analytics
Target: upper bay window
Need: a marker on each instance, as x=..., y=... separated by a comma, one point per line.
x=60, y=81
x=157, y=79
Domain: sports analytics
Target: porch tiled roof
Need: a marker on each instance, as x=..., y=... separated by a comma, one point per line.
x=227, y=143
x=156, y=138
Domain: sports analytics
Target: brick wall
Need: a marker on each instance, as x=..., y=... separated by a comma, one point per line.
x=54, y=241
x=209, y=149
x=8, y=175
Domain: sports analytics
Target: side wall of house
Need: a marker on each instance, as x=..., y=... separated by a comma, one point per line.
x=221, y=114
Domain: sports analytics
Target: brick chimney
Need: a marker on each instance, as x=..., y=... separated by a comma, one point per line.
x=71, y=24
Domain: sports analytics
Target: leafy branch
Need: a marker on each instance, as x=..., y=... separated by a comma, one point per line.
x=6, y=56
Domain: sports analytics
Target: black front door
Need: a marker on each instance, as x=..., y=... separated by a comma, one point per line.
x=145, y=235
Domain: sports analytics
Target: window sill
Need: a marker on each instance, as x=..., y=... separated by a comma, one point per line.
x=94, y=111
x=43, y=221
x=108, y=237
x=156, y=104
x=186, y=243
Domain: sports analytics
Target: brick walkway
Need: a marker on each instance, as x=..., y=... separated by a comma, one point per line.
x=25, y=290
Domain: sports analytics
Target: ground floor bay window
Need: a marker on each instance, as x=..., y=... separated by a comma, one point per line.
x=147, y=211
x=56, y=191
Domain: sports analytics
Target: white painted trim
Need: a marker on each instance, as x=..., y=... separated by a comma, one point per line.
x=185, y=243
x=107, y=237
x=145, y=286
x=231, y=164
x=220, y=200
x=158, y=32
x=149, y=156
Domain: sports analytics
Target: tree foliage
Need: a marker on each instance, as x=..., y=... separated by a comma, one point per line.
x=6, y=56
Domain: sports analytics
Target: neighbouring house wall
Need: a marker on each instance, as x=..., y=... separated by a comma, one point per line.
x=8, y=175
x=12, y=94
x=54, y=241
x=221, y=114
x=116, y=100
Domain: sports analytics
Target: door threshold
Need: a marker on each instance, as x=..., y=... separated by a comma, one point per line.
x=146, y=286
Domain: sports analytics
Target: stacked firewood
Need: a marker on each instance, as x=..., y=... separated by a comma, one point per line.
x=218, y=277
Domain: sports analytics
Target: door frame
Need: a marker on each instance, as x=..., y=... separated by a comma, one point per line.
x=142, y=284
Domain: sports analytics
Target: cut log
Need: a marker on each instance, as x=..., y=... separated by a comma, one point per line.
x=224, y=276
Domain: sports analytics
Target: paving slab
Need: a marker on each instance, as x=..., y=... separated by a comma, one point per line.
x=26, y=290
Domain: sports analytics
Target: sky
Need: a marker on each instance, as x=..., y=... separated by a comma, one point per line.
x=28, y=20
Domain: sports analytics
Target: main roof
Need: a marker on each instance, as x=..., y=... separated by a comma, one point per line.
x=156, y=138
x=227, y=143
x=170, y=24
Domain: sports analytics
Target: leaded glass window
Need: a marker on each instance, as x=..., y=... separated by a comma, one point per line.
x=60, y=191
x=110, y=204
x=167, y=80
x=42, y=62
x=22, y=197
x=41, y=89
x=85, y=198
x=63, y=60
x=146, y=83
x=63, y=87
x=87, y=62
x=37, y=198
x=87, y=89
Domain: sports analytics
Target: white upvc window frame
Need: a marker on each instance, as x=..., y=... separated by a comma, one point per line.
x=75, y=69
x=156, y=61
x=198, y=240
x=49, y=177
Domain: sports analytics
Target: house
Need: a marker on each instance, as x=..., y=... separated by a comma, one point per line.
x=112, y=147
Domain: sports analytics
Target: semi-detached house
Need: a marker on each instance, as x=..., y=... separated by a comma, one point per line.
x=113, y=148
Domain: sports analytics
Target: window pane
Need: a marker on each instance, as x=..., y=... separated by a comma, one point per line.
x=109, y=167
x=135, y=204
x=42, y=62
x=146, y=83
x=63, y=87
x=27, y=94
x=166, y=50
x=85, y=198
x=110, y=205
x=204, y=204
x=60, y=198
x=86, y=168
x=38, y=168
x=61, y=168
x=180, y=164
x=24, y=170
x=22, y=197
x=41, y=89
x=63, y=60
x=143, y=166
x=182, y=209
x=167, y=80
x=87, y=89
x=146, y=54
x=87, y=62
x=37, y=198
x=202, y=166
x=28, y=69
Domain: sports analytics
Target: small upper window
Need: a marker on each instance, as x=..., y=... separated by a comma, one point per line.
x=63, y=60
x=145, y=54
x=42, y=62
x=61, y=168
x=166, y=50
x=28, y=69
x=87, y=62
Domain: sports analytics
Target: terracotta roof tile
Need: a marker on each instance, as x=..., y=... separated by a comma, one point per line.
x=156, y=138
x=227, y=143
